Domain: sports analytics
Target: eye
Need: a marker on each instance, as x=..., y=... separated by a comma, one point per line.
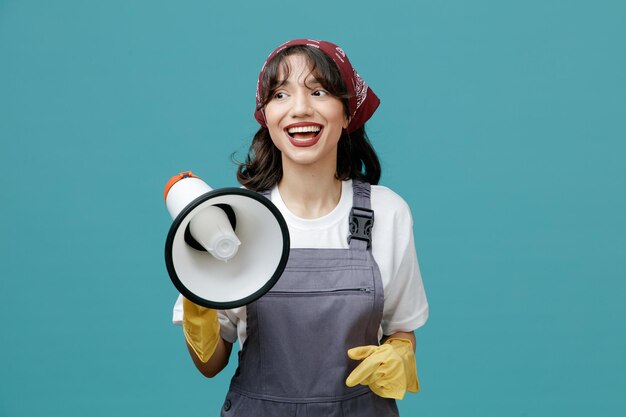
x=279, y=95
x=319, y=92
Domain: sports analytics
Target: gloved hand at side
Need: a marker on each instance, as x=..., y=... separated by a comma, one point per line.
x=201, y=328
x=388, y=369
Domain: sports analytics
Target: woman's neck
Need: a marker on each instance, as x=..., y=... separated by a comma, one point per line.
x=308, y=193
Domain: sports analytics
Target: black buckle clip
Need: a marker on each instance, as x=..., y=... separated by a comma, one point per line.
x=361, y=223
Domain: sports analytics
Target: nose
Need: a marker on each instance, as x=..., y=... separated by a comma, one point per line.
x=301, y=104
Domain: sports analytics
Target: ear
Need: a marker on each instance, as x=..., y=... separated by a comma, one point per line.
x=346, y=122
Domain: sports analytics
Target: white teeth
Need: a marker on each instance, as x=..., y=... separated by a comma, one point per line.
x=304, y=129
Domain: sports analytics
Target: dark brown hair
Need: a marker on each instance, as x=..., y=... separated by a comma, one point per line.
x=356, y=158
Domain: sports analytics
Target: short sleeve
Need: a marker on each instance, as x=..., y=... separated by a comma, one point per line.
x=177, y=315
x=406, y=307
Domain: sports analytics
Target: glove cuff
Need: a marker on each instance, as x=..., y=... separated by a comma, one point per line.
x=201, y=329
x=404, y=348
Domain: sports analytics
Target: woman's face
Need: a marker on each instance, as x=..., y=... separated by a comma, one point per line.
x=304, y=120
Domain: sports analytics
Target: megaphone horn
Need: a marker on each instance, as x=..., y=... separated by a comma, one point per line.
x=226, y=247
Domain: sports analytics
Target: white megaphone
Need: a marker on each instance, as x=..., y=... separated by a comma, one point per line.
x=226, y=247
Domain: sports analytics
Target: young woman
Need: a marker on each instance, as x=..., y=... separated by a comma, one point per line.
x=334, y=337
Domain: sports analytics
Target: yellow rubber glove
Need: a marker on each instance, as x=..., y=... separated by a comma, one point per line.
x=201, y=328
x=388, y=369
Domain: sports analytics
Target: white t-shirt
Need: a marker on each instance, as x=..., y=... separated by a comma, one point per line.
x=393, y=248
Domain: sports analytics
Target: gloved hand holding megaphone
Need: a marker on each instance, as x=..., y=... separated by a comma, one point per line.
x=225, y=248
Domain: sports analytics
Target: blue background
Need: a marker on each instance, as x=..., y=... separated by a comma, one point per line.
x=501, y=124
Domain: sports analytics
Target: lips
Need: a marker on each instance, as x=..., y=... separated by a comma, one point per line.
x=303, y=134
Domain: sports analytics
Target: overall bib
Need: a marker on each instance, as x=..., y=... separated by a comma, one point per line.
x=294, y=361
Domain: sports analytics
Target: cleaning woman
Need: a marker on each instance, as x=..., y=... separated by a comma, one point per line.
x=335, y=335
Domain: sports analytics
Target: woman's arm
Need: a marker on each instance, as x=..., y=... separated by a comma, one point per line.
x=216, y=362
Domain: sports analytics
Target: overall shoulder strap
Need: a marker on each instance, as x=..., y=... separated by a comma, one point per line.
x=361, y=217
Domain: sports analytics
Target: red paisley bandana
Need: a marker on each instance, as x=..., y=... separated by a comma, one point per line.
x=362, y=102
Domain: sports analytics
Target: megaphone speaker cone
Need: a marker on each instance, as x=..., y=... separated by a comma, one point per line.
x=210, y=227
x=261, y=238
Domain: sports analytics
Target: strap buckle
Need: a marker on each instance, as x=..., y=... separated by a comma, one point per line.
x=361, y=223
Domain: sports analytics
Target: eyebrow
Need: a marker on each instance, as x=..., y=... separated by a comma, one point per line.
x=306, y=82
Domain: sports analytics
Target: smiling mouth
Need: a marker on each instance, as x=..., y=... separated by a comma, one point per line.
x=304, y=132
